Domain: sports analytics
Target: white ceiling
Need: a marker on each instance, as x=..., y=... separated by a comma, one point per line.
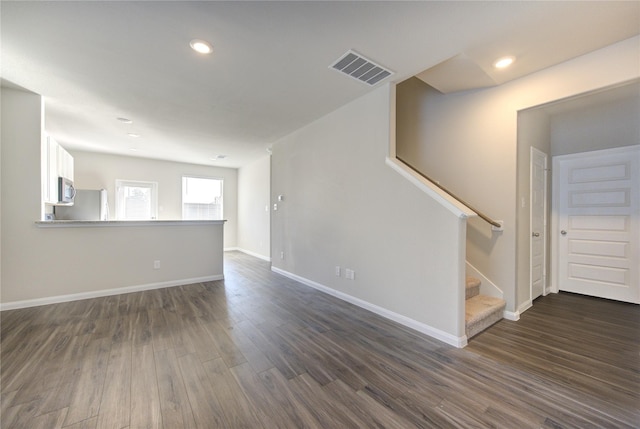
x=269, y=73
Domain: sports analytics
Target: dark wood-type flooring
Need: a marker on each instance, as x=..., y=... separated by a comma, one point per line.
x=261, y=351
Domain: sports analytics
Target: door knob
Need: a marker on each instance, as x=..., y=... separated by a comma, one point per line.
x=535, y=234
x=563, y=232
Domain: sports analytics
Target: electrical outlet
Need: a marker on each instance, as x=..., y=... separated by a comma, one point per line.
x=337, y=271
x=349, y=274
x=281, y=255
x=156, y=265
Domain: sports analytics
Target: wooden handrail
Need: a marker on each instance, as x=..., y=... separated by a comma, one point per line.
x=448, y=192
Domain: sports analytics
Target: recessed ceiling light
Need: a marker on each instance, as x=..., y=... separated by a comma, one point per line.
x=132, y=149
x=125, y=120
x=134, y=135
x=504, y=62
x=201, y=46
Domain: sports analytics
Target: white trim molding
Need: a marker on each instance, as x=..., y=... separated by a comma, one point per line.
x=511, y=315
x=515, y=315
x=105, y=292
x=487, y=287
x=423, y=328
x=250, y=253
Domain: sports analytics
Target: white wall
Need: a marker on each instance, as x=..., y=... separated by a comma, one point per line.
x=21, y=139
x=601, y=126
x=95, y=170
x=470, y=145
x=344, y=207
x=40, y=263
x=254, y=221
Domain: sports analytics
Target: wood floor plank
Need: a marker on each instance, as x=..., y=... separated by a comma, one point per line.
x=258, y=350
x=51, y=420
x=145, y=400
x=87, y=393
x=207, y=410
x=268, y=408
x=21, y=415
x=21, y=359
x=237, y=410
x=182, y=344
x=229, y=351
x=115, y=404
x=253, y=354
x=323, y=407
x=368, y=411
x=160, y=329
x=292, y=402
x=268, y=348
x=174, y=402
x=85, y=424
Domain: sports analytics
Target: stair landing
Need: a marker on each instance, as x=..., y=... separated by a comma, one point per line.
x=481, y=311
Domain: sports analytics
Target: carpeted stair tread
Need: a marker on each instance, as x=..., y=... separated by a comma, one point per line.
x=481, y=312
x=472, y=287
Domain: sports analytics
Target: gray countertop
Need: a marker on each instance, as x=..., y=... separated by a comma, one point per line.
x=118, y=223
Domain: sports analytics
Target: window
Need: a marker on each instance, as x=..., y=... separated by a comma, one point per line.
x=201, y=198
x=136, y=200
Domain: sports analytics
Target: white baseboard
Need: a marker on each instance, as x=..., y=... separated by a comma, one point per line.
x=511, y=315
x=515, y=315
x=254, y=254
x=403, y=320
x=105, y=292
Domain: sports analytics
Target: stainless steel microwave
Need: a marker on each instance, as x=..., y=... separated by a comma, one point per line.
x=66, y=191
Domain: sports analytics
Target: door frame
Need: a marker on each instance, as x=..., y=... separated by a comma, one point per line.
x=545, y=227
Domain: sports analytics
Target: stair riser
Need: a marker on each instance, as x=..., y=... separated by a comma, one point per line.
x=478, y=326
x=470, y=292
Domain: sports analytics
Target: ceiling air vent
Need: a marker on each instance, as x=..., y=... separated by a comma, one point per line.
x=360, y=68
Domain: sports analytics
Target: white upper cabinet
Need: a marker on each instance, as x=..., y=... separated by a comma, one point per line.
x=65, y=163
x=57, y=162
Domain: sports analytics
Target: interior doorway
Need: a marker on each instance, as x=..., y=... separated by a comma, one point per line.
x=602, y=119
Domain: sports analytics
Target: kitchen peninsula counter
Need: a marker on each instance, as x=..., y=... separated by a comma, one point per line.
x=90, y=259
x=121, y=223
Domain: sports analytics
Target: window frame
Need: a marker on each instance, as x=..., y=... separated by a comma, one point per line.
x=119, y=197
x=193, y=176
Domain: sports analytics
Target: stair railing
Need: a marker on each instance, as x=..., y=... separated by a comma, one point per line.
x=484, y=217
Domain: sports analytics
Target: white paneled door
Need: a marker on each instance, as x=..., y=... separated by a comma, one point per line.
x=538, y=227
x=597, y=235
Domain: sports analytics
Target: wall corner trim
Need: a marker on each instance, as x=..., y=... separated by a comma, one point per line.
x=104, y=292
x=423, y=328
x=525, y=306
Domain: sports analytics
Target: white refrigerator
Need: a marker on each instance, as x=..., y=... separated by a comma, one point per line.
x=88, y=204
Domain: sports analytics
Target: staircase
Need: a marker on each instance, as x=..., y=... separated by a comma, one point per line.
x=481, y=311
